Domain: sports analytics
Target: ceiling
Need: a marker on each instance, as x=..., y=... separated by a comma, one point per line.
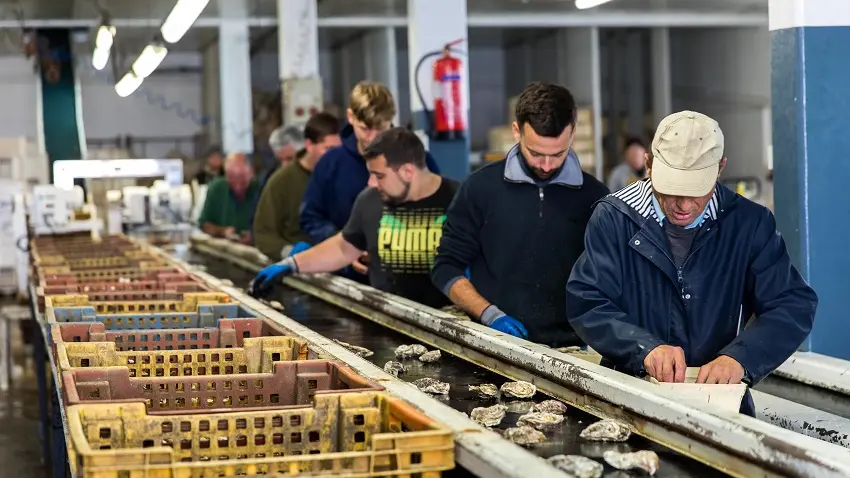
x=148, y=14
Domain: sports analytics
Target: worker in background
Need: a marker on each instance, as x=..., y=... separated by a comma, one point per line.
x=632, y=169
x=677, y=264
x=342, y=173
x=398, y=220
x=276, y=222
x=287, y=144
x=213, y=166
x=230, y=201
x=518, y=225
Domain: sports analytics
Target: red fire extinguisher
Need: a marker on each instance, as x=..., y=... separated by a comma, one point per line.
x=448, y=118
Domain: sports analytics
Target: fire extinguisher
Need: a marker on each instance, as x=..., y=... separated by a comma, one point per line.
x=447, y=120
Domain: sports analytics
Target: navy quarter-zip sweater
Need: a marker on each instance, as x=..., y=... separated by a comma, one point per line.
x=520, y=238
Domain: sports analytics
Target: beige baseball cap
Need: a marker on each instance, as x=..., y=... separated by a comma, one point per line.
x=686, y=154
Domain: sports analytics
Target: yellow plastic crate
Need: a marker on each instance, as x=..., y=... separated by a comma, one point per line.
x=353, y=435
x=96, y=270
x=255, y=356
x=190, y=302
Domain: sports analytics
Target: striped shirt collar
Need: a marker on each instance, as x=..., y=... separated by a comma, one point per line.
x=639, y=197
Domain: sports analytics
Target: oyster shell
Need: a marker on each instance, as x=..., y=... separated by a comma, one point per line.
x=577, y=466
x=276, y=305
x=644, y=460
x=551, y=406
x=606, y=430
x=524, y=435
x=519, y=406
x=409, y=351
x=430, y=357
x=540, y=420
x=485, y=390
x=518, y=389
x=394, y=368
x=456, y=311
x=430, y=385
x=569, y=350
x=363, y=352
x=489, y=416
x=227, y=282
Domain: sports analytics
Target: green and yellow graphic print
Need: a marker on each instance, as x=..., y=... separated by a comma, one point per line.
x=408, y=239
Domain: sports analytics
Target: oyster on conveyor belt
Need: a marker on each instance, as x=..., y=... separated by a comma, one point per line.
x=394, y=368
x=540, y=420
x=488, y=416
x=276, y=305
x=551, y=406
x=430, y=385
x=524, y=435
x=409, y=351
x=430, y=357
x=485, y=390
x=519, y=389
x=606, y=430
x=644, y=460
x=363, y=352
x=577, y=465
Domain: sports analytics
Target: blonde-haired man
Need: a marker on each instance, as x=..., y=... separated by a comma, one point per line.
x=341, y=174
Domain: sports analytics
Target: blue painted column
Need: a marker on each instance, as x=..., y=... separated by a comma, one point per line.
x=430, y=25
x=810, y=82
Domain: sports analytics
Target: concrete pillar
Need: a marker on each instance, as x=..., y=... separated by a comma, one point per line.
x=635, y=84
x=298, y=50
x=381, y=60
x=579, y=69
x=662, y=100
x=432, y=24
x=234, y=44
x=810, y=71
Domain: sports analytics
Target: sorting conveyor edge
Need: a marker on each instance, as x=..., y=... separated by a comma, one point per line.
x=782, y=450
x=817, y=370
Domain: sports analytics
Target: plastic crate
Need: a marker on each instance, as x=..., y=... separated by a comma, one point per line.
x=227, y=333
x=123, y=302
x=206, y=315
x=164, y=274
x=354, y=435
x=255, y=356
x=101, y=291
x=44, y=257
x=97, y=265
x=290, y=383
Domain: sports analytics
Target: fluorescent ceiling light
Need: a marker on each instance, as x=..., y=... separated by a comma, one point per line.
x=99, y=58
x=127, y=85
x=181, y=18
x=583, y=4
x=105, y=37
x=150, y=58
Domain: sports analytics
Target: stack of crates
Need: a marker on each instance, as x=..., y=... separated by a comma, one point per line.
x=164, y=376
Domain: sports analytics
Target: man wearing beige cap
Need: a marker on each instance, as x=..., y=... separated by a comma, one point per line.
x=675, y=266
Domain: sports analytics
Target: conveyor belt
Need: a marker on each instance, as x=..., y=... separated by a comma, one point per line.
x=334, y=322
x=817, y=398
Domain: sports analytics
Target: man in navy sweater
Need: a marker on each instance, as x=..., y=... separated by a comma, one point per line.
x=518, y=225
x=342, y=174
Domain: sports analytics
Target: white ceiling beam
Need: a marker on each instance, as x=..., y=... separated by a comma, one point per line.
x=492, y=20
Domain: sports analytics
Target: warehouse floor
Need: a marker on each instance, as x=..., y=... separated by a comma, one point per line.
x=20, y=448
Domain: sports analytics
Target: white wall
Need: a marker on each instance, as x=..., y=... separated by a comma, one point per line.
x=19, y=97
x=166, y=105
x=725, y=73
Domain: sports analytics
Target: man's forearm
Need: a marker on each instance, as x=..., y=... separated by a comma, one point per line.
x=331, y=255
x=214, y=230
x=464, y=295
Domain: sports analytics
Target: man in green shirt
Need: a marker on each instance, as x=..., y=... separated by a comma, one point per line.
x=276, y=222
x=230, y=201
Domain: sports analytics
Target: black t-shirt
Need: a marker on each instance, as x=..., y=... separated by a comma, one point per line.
x=681, y=240
x=401, y=241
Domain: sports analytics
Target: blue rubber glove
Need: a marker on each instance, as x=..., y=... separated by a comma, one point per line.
x=498, y=320
x=299, y=247
x=266, y=278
